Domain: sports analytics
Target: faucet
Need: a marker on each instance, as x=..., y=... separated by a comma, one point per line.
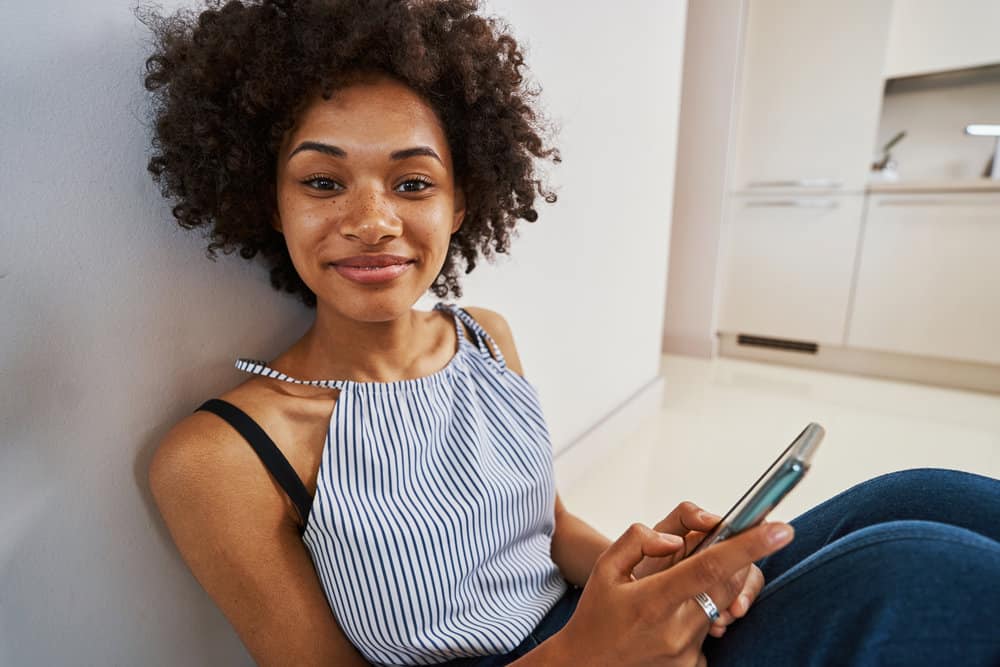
x=989, y=131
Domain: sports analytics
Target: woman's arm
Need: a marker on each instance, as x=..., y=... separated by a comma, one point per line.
x=235, y=530
x=575, y=545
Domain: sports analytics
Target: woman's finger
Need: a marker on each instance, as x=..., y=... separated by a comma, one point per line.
x=638, y=542
x=717, y=630
x=718, y=572
x=686, y=545
x=723, y=595
x=687, y=517
x=660, y=556
x=716, y=564
x=695, y=618
x=752, y=586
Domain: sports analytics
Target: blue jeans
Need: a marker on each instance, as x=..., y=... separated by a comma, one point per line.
x=903, y=569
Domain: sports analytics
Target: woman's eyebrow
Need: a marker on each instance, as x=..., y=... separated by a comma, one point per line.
x=412, y=152
x=336, y=151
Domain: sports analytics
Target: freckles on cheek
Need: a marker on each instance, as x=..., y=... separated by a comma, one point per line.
x=314, y=214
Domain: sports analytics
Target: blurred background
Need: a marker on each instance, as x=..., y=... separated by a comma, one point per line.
x=834, y=257
x=770, y=212
x=838, y=194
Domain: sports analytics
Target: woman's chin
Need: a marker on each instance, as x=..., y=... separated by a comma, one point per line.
x=375, y=306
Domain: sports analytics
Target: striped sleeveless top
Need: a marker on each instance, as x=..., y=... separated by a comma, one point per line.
x=433, y=517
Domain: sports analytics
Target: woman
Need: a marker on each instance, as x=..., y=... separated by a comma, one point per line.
x=381, y=492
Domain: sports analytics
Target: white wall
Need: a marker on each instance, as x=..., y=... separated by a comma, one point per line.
x=115, y=325
x=712, y=56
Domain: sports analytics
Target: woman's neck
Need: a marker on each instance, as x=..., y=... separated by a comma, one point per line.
x=337, y=347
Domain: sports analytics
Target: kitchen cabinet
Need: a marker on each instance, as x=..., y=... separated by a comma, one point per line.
x=810, y=94
x=787, y=264
x=929, y=36
x=929, y=277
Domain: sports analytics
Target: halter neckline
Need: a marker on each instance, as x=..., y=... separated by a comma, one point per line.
x=484, y=345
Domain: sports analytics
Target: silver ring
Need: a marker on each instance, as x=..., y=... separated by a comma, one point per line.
x=708, y=605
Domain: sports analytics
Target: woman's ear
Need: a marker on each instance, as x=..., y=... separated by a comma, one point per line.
x=276, y=222
x=459, y=215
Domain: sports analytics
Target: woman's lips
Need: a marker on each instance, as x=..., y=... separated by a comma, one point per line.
x=372, y=269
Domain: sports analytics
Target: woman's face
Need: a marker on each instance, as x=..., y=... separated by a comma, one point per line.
x=366, y=199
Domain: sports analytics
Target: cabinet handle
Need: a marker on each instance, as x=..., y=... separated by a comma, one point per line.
x=993, y=201
x=796, y=203
x=823, y=183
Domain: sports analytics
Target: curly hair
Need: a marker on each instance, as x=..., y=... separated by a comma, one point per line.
x=228, y=83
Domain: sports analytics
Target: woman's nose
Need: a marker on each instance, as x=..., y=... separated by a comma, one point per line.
x=370, y=219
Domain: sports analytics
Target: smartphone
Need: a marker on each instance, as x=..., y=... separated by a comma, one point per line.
x=769, y=489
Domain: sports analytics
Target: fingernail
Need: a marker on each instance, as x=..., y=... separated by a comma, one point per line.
x=708, y=516
x=744, y=603
x=670, y=538
x=779, y=534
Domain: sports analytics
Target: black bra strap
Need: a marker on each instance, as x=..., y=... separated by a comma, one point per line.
x=268, y=452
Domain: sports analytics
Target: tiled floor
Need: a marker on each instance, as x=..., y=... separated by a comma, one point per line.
x=723, y=421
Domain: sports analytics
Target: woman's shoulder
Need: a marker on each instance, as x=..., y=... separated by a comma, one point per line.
x=203, y=437
x=493, y=322
x=198, y=455
x=204, y=456
x=499, y=330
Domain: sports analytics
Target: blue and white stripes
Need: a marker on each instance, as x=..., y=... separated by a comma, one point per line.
x=433, y=517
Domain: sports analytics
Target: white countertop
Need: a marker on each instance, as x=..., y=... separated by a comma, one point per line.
x=909, y=187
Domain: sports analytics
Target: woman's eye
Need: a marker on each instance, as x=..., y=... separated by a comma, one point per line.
x=322, y=183
x=414, y=185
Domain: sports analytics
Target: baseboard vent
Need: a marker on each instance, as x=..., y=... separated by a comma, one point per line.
x=778, y=343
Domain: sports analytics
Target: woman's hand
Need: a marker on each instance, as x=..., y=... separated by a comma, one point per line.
x=753, y=582
x=621, y=620
x=691, y=523
x=687, y=521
